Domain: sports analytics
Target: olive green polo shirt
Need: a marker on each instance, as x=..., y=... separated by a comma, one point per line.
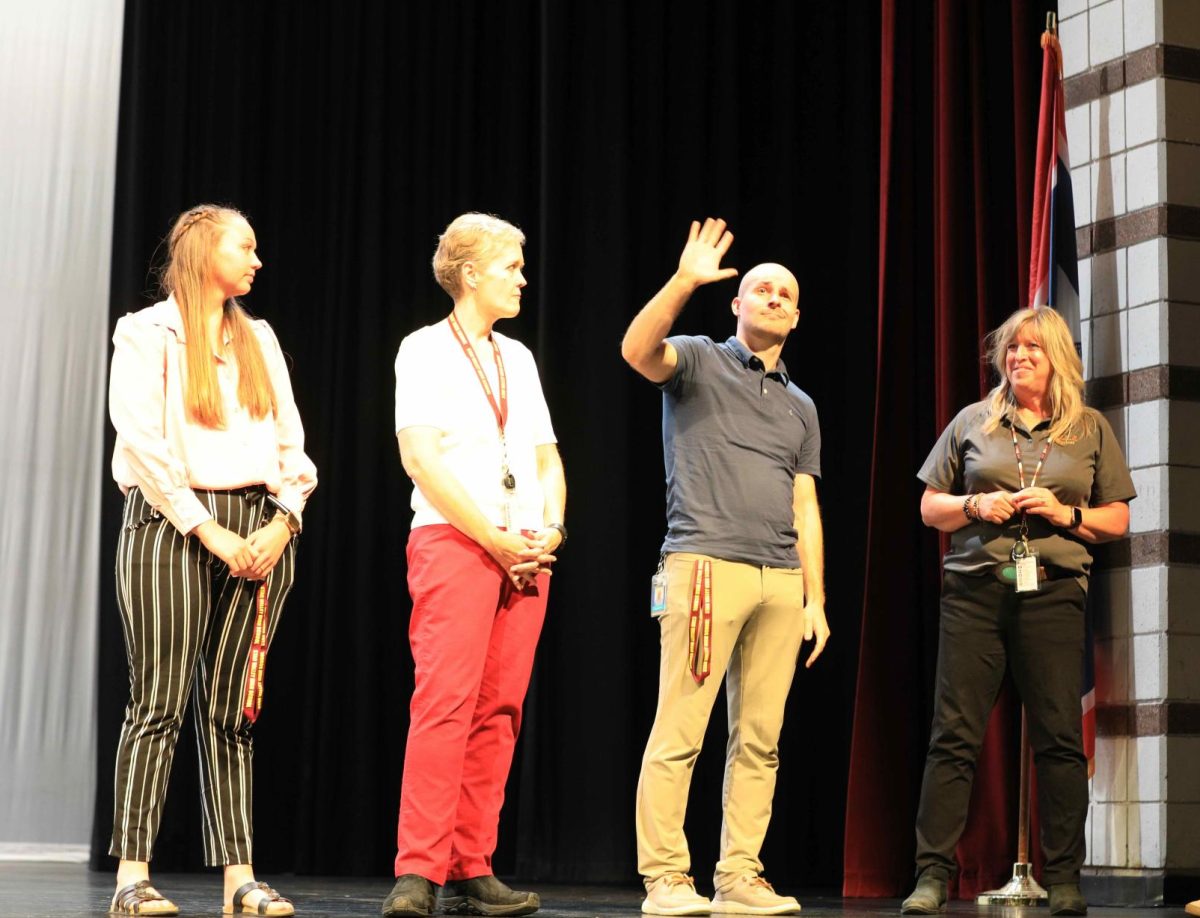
x=1087, y=473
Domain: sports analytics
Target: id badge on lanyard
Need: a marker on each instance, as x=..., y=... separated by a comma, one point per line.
x=1025, y=560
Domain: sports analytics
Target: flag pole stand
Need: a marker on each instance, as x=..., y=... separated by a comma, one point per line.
x=1022, y=889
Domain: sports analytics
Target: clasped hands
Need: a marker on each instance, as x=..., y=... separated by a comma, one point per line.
x=524, y=557
x=999, y=506
x=253, y=557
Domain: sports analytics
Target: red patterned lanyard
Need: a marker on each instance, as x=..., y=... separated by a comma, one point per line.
x=500, y=409
x=700, y=622
x=257, y=664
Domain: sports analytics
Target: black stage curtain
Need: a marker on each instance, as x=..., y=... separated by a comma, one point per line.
x=351, y=133
x=959, y=89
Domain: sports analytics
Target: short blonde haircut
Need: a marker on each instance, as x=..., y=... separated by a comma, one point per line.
x=471, y=237
x=1069, y=418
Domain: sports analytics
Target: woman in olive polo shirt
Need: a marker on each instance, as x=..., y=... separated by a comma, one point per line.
x=1023, y=481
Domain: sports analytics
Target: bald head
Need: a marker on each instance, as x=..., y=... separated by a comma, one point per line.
x=776, y=275
x=767, y=305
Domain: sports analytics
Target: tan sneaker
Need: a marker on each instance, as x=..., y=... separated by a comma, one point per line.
x=752, y=895
x=674, y=894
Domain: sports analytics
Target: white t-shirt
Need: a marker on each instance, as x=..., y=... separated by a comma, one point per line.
x=436, y=386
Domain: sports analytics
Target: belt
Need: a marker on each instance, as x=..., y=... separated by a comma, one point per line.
x=1045, y=572
x=1054, y=572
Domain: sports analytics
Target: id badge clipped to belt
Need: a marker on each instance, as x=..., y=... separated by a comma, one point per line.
x=658, y=590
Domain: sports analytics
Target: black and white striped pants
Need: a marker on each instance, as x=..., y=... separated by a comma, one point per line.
x=188, y=626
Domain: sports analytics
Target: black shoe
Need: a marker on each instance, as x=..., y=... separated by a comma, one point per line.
x=929, y=898
x=412, y=895
x=485, y=896
x=1066, y=899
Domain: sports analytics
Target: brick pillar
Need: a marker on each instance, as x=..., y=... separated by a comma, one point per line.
x=1133, y=123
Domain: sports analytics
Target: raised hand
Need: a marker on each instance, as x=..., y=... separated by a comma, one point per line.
x=700, y=262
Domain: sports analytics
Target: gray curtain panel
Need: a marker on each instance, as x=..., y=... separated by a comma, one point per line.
x=60, y=65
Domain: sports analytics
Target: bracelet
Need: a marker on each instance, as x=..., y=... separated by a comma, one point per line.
x=562, y=531
x=971, y=510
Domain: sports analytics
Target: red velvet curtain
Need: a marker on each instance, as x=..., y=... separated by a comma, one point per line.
x=959, y=84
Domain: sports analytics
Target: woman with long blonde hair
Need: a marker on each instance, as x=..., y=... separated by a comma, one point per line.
x=210, y=457
x=1024, y=482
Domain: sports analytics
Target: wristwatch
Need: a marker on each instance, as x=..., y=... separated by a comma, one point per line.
x=562, y=531
x=289, y=518
x=1076, y=518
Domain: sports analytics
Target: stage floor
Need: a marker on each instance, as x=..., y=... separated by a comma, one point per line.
x=40, y=890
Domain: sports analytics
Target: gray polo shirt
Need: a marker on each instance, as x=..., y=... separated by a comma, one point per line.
x=734, y=439
x=1086, y=473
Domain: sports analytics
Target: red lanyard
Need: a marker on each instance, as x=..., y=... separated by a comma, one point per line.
x=700, y=622
x=257, y=665
x=501, y=409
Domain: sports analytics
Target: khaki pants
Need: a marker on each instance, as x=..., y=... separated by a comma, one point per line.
x=757, y=628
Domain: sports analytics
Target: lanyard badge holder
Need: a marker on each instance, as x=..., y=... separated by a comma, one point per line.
x=1023, y=571
x=658, y=589
x=1024, y=562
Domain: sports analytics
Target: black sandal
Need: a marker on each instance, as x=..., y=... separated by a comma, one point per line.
x=270, y=897
x=133, y=899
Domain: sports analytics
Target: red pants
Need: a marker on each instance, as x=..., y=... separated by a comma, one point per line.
x=473, y=638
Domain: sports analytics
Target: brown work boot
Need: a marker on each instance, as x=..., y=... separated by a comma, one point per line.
x=929, y=898
x=411, y=897
x=485, y=896
x=1066, y=899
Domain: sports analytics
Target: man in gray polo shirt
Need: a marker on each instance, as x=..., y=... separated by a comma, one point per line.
x=741, y=583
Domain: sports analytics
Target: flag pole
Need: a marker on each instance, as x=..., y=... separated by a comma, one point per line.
x=1022, y=889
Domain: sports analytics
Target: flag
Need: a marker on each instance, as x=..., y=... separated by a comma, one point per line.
x=1053, y=265
x=1054, y=279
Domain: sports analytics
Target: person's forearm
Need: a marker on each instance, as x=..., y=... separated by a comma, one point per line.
x=1103, y=524
x=811, y=548
x=554, y=487
x=449, y=498
x=644, y=339
x=943, y=512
